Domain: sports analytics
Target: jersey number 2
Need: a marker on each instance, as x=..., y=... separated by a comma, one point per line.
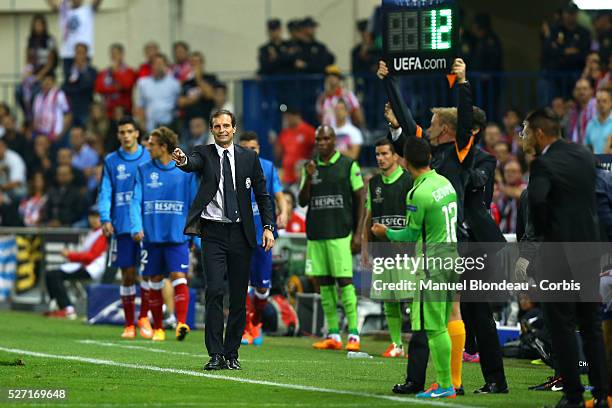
x=450, y=215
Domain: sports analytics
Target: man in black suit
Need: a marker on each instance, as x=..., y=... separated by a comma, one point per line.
x=222, y=214
x=562, y=206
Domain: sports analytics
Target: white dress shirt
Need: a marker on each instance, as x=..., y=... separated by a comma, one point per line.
x=214, y=210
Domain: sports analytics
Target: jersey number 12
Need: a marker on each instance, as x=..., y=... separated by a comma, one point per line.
x=450, y=215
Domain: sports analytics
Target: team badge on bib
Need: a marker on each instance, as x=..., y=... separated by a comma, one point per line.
x=247, y=183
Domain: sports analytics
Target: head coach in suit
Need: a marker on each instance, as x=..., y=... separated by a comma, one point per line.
x=222, y=214
x=562, y=206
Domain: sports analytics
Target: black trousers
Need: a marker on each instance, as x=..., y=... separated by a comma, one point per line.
x=225, y=252
x=561, y=320
x=55, y=284
x=418, y=354
x=478, y=320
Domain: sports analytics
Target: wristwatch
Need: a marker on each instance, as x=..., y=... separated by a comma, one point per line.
x=269, y=227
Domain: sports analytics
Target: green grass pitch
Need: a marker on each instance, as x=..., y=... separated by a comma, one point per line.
x=97, y=368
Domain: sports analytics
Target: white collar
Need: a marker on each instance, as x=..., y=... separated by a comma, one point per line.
x=220, y=150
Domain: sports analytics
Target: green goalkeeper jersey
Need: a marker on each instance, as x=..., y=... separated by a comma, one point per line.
x=431, y=216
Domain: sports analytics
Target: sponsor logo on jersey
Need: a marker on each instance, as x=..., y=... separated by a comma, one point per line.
x=411, y=208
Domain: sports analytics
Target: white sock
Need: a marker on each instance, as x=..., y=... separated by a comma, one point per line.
x=334, y=336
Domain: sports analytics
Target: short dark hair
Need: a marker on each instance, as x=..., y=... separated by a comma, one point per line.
x=417, y=152
x=166, y=137
x=181, y=44
x=545, y=119
x=219, y=113
x=480, y=118
x=248, y=136
x=127, y=120
x=162, y=56
x=117, y=46
x=383, y=141
x=78, y=126
x=289, y=192
x=220, y=85
x=81, y=44
x=51, y=75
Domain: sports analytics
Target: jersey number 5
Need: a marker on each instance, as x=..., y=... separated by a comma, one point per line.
x=450, y=215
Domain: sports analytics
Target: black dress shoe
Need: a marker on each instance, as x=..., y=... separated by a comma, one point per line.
x=232, y=364
x=492, y=388
x=565, y=403
x=460, y=390
x=216, y=362
x=407, y=388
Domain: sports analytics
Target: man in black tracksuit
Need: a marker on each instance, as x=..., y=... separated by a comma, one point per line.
x=470, y=171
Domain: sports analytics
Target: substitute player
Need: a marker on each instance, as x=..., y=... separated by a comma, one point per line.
x=158, y=211
x=430, y=217
x=385, y=204
x=332, y=187
x=261, y=262
x=114, y=197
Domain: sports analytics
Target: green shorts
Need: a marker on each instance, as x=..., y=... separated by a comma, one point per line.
x=400, y=278
x=431, y=309
x=330, y=257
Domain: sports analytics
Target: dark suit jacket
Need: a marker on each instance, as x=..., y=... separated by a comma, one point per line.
x=562, y=194
x=562, y=207
x=205, y=161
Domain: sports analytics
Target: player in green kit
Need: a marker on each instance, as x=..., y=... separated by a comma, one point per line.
x=332, y=188
x=431, y=218
x=386, y=204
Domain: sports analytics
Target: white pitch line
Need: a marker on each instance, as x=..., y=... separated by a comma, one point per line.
x=191, y=373
x=182, y=353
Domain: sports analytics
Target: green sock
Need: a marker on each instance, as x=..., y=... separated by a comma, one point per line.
x=349, y=301
x=393, y=314
x=329, y=301
x=440, y=347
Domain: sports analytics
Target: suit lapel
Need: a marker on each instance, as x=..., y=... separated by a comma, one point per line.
x=216, y=162
x=238, y=156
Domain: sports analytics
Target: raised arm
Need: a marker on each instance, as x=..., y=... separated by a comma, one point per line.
x=465, y=114
x=188, y=164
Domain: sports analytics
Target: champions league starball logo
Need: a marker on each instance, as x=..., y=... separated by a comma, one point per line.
x=378, y=195
x=315, y=178
x=155, y=183
x=121, y=174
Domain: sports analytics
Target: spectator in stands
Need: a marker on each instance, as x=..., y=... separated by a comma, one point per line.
x=198, y=133
x=349, y=138
x=486, y=50
x=88, y=262
x=100, y=126
x=295, y=143
x=512, y=126
x=182, y=68
x=599, y=129
x=12, y=184
x=42, y=55
x=502, y=154
x=79, y=85
x=297, y=220
x=64, y=157
x=84, y=158
x=41, y=157
x=606, y=81
x=592, y=69
x=151, y=49
x=582, y=112
x=65, y=204
x=220, y=98
x=4, y=110
x=76, y=24
x=602, y=40
x=273, y=56
x=51, y=112
x=492, y=135
x=565, y=46
x=116, y=83
x=197, y=93
x=157, y=95
x=314, y=54
x=333, y=92
x=14, y=139
x=510, y=188
x=559, y=106
x=31, y=208
x=364, y=56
